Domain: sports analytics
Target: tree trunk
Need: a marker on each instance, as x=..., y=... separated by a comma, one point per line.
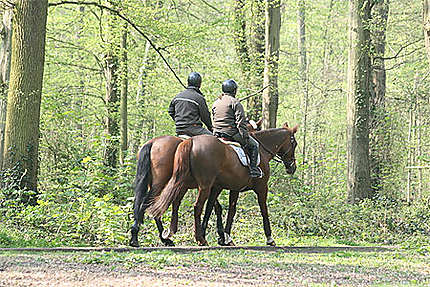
x=303, y=70
x=257, y=52
x=111, y=96
x=358, y=181
x=426, y=23
x=241, y=39
x=124, y=89
x=377, y=123
x=5, y=53
x=270, y=94
x=25, y=89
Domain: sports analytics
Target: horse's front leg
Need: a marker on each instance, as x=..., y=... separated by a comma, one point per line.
x=233, y=197
x=262, y=201
x=198, y=207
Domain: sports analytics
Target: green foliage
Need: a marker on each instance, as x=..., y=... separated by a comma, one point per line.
x=81, y=202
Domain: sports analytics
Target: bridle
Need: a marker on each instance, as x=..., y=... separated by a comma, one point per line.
x=280, y=158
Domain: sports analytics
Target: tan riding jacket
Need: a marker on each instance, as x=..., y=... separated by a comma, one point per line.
x=229, y=116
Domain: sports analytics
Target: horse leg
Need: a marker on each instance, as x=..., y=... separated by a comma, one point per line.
x=209, y=206
x=262, y=198
x=169, y=232
x=234, y=195
x=139, y=209
x=198, y=207
x=165, y=241
x=219, y=226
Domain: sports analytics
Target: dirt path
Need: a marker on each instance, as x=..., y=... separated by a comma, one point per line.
x=195, y=266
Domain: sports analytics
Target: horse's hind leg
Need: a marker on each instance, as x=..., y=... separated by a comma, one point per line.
x=209, y=206
x=219, y=226
x=198, y=207
x=165, y=241
x=233, y=197
x=139, y=209
x=169, y=232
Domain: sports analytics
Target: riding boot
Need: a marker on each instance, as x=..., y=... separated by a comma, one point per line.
x=254, y=171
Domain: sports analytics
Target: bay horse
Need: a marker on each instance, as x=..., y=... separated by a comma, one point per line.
x=214, y=166
x=154, y=169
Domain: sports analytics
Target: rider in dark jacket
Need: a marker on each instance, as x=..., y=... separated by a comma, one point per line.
x=230, y=122
x=189, y=109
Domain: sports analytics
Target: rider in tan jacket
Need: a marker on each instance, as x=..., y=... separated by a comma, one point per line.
x=229, y=122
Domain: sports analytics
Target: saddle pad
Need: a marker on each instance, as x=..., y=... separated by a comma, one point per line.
x=229, y=142
x=184, y=137
x=242, y=155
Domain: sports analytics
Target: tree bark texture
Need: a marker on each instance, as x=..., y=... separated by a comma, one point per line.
x=358, y=180
x=25, y=89
x=257, y=52
x=303, y=64
x=112, y=93
x=271, y=63
x=426, y=23
x=378, y=136
x=124, y=92
x=5, y=54
x=241, y=39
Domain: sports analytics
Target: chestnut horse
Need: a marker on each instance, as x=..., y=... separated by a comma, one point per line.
x=154, y=169
x=214, y=166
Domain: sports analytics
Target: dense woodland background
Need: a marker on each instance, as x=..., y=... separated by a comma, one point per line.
x=106, y=91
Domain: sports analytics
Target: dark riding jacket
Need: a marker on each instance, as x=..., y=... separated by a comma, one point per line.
x=189, y=109
x=229, y=117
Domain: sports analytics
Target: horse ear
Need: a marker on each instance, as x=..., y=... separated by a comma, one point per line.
x=285, y=125
x=294, y=130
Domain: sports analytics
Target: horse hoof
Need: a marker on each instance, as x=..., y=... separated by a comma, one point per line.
x=168, y=242
x=271, y=242
x=221, y=242
x=134, y=243
x=202, y=242
x=231, y=243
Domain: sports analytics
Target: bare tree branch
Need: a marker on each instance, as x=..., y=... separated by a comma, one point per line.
x=253, y=94
x=117, y=13
x=399, y=51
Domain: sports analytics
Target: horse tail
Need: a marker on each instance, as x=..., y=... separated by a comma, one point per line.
x=142, y=181
x=176, y=183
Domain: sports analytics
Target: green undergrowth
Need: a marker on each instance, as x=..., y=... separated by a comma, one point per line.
x=72, y=216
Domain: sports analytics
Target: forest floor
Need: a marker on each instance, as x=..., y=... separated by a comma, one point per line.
x=313, y=266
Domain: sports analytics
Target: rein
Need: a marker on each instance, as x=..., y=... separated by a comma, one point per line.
x=276, y=157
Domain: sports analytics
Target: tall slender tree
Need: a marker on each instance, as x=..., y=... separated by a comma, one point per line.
x=303, y=69
x=378, y=152
x=5, y=53
x=111, y=65
x=124, y=92
x=358, y=180
x=25, y=89
x=426, y=23
x=270, y=94
x=256, y=55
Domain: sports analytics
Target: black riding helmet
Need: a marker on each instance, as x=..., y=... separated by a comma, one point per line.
x=194, y=80
x=229, y=87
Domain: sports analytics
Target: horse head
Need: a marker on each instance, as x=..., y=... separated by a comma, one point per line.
x=287, y=150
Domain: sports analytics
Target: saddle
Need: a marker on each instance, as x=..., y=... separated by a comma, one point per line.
x=243, y=157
